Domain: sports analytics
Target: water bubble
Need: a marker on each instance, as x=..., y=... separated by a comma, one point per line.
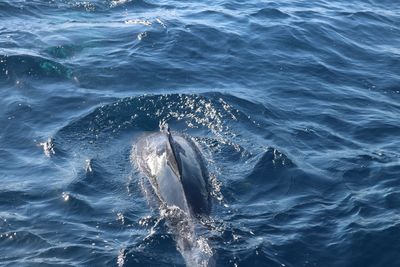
x=48, y=147
x=65, y=196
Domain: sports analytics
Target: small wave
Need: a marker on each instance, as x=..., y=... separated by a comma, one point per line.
x=115, y=3
x=270, y=13
x=25, y=239
x=146, y=112
x=63, y=51
x=130, y=3
x=376, y=131
x=369, y=16
x=29, y=9
x=77, y=204
x=85, y=5
x=18, y=66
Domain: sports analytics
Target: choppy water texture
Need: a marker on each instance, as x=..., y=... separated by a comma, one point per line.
x=295, y=105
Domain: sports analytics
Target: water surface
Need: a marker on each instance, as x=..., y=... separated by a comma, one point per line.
x=295, y=105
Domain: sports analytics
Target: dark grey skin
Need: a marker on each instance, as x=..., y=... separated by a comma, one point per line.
x=176, y=169
x=177, y=172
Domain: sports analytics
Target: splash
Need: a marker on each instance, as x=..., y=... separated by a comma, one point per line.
x=195, y=250
x=116, y=3
x=121, y=258
x=48, y=147
x=139, y=21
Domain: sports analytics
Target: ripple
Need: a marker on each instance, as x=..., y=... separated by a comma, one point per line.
x=18, y=66
x=63, y=51
x=146, y=112
x=294, y=105
x=270, y=13
x=22, y=240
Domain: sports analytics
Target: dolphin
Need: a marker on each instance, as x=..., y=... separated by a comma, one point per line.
x=177, y=172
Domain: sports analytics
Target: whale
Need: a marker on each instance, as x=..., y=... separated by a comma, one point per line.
x=173, y=164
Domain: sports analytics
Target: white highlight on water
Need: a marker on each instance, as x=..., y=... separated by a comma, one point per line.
x=48, y=147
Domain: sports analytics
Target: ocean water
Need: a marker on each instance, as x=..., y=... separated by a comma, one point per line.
x=294, y=104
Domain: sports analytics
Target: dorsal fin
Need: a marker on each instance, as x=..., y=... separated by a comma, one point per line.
x=164, y=128
x=172, y=160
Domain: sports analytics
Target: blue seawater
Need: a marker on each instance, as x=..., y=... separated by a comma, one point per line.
x=295, y=104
